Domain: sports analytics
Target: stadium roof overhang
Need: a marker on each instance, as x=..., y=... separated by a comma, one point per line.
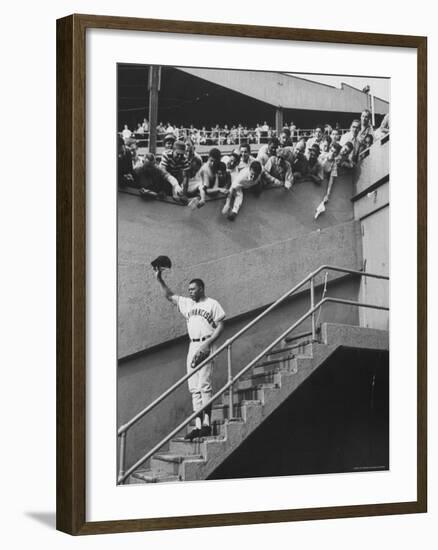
x=290, y=92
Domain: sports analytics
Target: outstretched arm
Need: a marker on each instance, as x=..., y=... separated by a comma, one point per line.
x=329, y=186
x=169, y=294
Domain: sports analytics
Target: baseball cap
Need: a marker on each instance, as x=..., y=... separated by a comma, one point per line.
x=161, y=262
x=179, y=146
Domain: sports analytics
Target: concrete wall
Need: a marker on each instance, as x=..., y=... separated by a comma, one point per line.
x=143, y=378
x=246, y=264
x=371, y=208
x=374, y=167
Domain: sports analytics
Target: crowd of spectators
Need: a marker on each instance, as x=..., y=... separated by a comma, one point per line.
x=182, y=175
x=214, y=135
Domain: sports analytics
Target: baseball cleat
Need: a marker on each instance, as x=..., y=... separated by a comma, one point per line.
x=194, y=433
x=205, y=431
x=232, y=216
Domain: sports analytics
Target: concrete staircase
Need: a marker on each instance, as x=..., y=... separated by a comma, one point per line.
x=255, y=397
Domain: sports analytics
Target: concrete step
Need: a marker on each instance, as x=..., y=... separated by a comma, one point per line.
x=267, y=369
x=151, y=476
x=264, y=377
x=298, y=338
x=270, y=364
x=281, y=359
x=253, y=393
x=221, y=411
x=291, y=349
x=197, y=447
x=220, y=427
x=170, y=463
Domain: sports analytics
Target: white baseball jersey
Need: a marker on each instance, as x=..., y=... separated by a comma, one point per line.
x=202, y=317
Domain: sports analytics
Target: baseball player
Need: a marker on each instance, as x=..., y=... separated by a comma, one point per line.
x=204, y=318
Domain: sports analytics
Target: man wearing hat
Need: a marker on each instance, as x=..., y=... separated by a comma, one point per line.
x=168, y=141
x=205, y=322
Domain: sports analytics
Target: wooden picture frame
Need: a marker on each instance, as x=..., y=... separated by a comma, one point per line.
x=71, y=274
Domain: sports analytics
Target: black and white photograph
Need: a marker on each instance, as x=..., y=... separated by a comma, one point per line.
x=253, y=274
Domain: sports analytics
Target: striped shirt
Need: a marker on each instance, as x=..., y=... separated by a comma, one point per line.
x=174, y=166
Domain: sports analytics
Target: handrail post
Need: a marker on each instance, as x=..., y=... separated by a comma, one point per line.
x=312, y=304
x=230, y=377
x=122, y=455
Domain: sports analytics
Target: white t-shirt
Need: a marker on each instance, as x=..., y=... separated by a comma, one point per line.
x=202, y=317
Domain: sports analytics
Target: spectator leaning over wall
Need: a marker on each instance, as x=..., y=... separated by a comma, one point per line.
x=366, y=128
x=268, y=150
x=195, y=164
x=156, y=183
x=280, y=168
x=330, y=160
x=254, y=177
x=366, y=144
x=245, y=156
x=300, y=162
x=285, y=142
x=335, y=135
x=135, y=159
x=314, y=167
x=383, y=129
x=209, y=173
x=353, y=137
x=175, y=163
x=168, y=142
x=125, y=173
x=232, y=164
x=344, y=161
x=342, y=165
x=325, y=148
x=316, y=138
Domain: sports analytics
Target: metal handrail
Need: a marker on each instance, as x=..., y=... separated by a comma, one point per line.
x=234, y=379
x=122, y=431
x=228, y=342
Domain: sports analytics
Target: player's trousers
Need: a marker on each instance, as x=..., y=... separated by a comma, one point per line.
x=200, y=383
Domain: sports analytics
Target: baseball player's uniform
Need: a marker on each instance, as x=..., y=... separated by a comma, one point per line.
x=202, y=318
